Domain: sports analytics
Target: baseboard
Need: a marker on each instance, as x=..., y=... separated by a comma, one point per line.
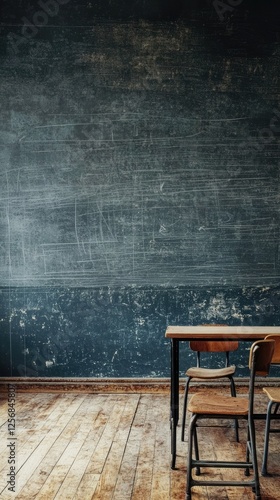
x=89, y=385
x=111, y=385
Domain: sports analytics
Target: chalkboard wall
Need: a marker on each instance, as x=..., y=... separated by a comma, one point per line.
x=139, y=168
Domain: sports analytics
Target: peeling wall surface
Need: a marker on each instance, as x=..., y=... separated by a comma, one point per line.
x=139, y=168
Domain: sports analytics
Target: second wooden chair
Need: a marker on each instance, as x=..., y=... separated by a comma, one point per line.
x=208, y=374
x=202, y=407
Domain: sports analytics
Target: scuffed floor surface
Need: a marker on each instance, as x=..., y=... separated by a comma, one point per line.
x=115, y=446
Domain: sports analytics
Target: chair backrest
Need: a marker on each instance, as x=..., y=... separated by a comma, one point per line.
x=214, y=346
x=276, y=355
x=225, y=346
x=261, y=353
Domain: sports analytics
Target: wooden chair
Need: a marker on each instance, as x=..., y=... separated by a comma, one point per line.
x=273, y=394
x=225, y=407
x=199, y=373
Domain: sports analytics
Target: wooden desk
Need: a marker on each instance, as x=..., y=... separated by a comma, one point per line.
x=211, y=332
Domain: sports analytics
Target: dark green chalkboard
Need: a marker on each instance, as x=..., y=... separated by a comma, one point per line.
x=139, y=151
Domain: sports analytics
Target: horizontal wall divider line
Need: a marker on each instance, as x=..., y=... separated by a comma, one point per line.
x=114, y=385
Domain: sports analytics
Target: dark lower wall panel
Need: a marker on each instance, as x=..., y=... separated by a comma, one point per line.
x=117, y=332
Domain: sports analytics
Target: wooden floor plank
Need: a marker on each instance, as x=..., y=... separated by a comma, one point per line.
x=126, y=476
x=144, y=473
x=108, y=479
x=161, y=480
x=117, y=447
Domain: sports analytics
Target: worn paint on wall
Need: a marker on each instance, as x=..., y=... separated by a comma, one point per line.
x=117, y=332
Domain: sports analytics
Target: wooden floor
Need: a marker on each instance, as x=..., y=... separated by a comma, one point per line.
x=113, y=446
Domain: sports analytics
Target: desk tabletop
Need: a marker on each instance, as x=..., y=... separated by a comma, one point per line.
x=216, y=332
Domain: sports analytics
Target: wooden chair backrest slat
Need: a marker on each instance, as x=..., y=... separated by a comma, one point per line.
x=276, y=354
x=214, y=345
x=261, y=352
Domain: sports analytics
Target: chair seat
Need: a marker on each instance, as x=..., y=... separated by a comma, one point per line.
x=273, y=393
x=224, y=405
x=210, y=373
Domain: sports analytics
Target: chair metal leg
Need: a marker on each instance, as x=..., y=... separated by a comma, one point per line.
x=173, y=443
x=266, y=439
x=252, y=432
x=192, y=439
x=233, y=394
x=247, y=470
x=184, y=413
x=196, y=450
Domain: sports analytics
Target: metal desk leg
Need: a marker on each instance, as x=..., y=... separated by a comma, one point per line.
x=174, y=397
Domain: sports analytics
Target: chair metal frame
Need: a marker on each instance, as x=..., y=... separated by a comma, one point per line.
x=242, y=408
x=200, y=346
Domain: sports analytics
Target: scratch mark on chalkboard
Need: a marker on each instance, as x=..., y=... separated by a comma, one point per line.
x=113, y=140
x=138, y=116
x=101, y=219
x=114, y=355
x=75, y=223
